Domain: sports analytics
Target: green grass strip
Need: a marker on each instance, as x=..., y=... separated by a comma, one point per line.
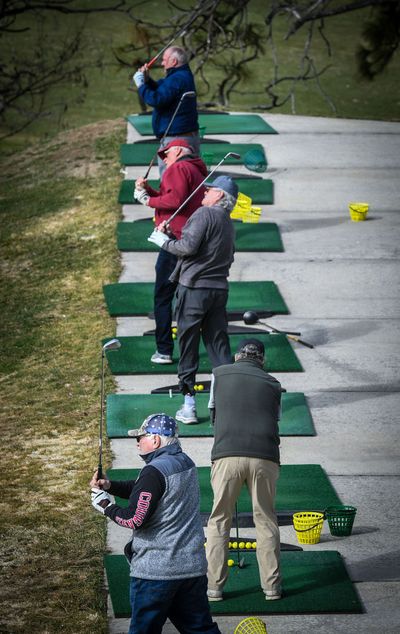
x=133, y=357
x=313, y=583
x=263, y=236
x=128, y=411
x=260, y=190
x=142, y=153
x=301, y=487
x=136, y=298
x=213, y=124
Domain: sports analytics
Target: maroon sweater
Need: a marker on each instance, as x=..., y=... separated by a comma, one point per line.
x=178, y=182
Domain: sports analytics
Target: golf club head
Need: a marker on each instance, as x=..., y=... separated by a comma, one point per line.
x=250, y=317
x=113, y=344
x=233, y=155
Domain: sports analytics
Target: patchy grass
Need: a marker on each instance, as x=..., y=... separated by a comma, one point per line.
x=58, y=224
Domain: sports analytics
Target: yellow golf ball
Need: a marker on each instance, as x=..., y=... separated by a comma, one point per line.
x=173, y=335
x=174, y=329
x=241, y=544
x=200, y=387
x=248, y=545
x=231, y=562
x=230, y=545
x=234, y=544
x=195, y=388
x=254, y=544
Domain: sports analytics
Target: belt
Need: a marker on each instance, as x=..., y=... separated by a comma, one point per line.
x=194, y=133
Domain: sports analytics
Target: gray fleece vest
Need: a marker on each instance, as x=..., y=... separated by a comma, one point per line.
x=171, y=545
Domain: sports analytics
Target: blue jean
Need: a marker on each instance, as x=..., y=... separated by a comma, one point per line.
x=164, y=291
x=183, y=601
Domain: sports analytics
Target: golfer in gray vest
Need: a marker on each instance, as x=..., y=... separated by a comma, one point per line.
x=245, y=401
x=166, y=552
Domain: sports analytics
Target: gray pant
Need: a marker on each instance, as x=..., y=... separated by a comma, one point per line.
x=200, y=312
x=227, y=478
x=193, y=140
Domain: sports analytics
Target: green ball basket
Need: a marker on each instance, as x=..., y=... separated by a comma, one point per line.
x=340, y=519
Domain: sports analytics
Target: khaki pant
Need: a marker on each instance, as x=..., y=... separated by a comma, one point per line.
x=227, y=478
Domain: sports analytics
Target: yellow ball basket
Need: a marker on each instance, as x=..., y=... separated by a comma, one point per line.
x=251, y=625
x=308, y=527
x=358, y=211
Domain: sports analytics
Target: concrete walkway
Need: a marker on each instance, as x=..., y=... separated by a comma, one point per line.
x=341, y=282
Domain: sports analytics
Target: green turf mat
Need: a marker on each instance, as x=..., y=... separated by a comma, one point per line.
x=133, y=357
x=213, y=123
x=260, y=190
x=142, y=153
x=301, y=487
x=313, y=583
x=134, y=299
x=128, y=411
x=264, y=236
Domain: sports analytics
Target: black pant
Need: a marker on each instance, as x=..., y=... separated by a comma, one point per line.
x=201, y=311
x=164, y=291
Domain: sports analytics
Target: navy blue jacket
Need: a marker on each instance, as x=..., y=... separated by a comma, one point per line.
x=164, y=95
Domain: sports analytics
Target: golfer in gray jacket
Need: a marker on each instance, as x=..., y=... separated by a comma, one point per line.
x=205, y=253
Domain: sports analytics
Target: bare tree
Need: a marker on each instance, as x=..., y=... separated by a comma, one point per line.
x=28, y=73
x=219, y=36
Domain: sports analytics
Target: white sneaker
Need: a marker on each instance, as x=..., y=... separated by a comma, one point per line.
x=215, y=595
x=161, y=358
x=187, y=415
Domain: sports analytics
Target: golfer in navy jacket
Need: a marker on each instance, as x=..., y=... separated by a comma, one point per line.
x=164, y=95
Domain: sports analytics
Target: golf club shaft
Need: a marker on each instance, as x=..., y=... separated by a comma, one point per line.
x=237, y=533
x=289, y=335
x=282, y=332
x=185, y=94
x=100, y=465
x=198, y=187
x=172, y=40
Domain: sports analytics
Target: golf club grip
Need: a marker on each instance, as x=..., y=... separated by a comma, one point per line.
x=304, y=343
x=153, y=61
x=99, y=471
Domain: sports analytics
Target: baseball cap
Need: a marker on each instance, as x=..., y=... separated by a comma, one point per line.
x=174, y=143
x=251, y=346
x=160, y=424
x=227, y=184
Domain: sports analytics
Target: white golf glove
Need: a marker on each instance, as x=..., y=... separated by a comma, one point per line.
x=138, y=78
x=141, y=196
x=158, y=237
x=100, y=500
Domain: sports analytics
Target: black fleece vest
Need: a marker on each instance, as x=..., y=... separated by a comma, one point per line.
x=247, y=406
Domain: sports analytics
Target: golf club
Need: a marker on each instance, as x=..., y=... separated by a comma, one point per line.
x=250, y=318
x=189, y=93
x=232, y=154
x=180, y=33
x=113, y=344
x=240, y=560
